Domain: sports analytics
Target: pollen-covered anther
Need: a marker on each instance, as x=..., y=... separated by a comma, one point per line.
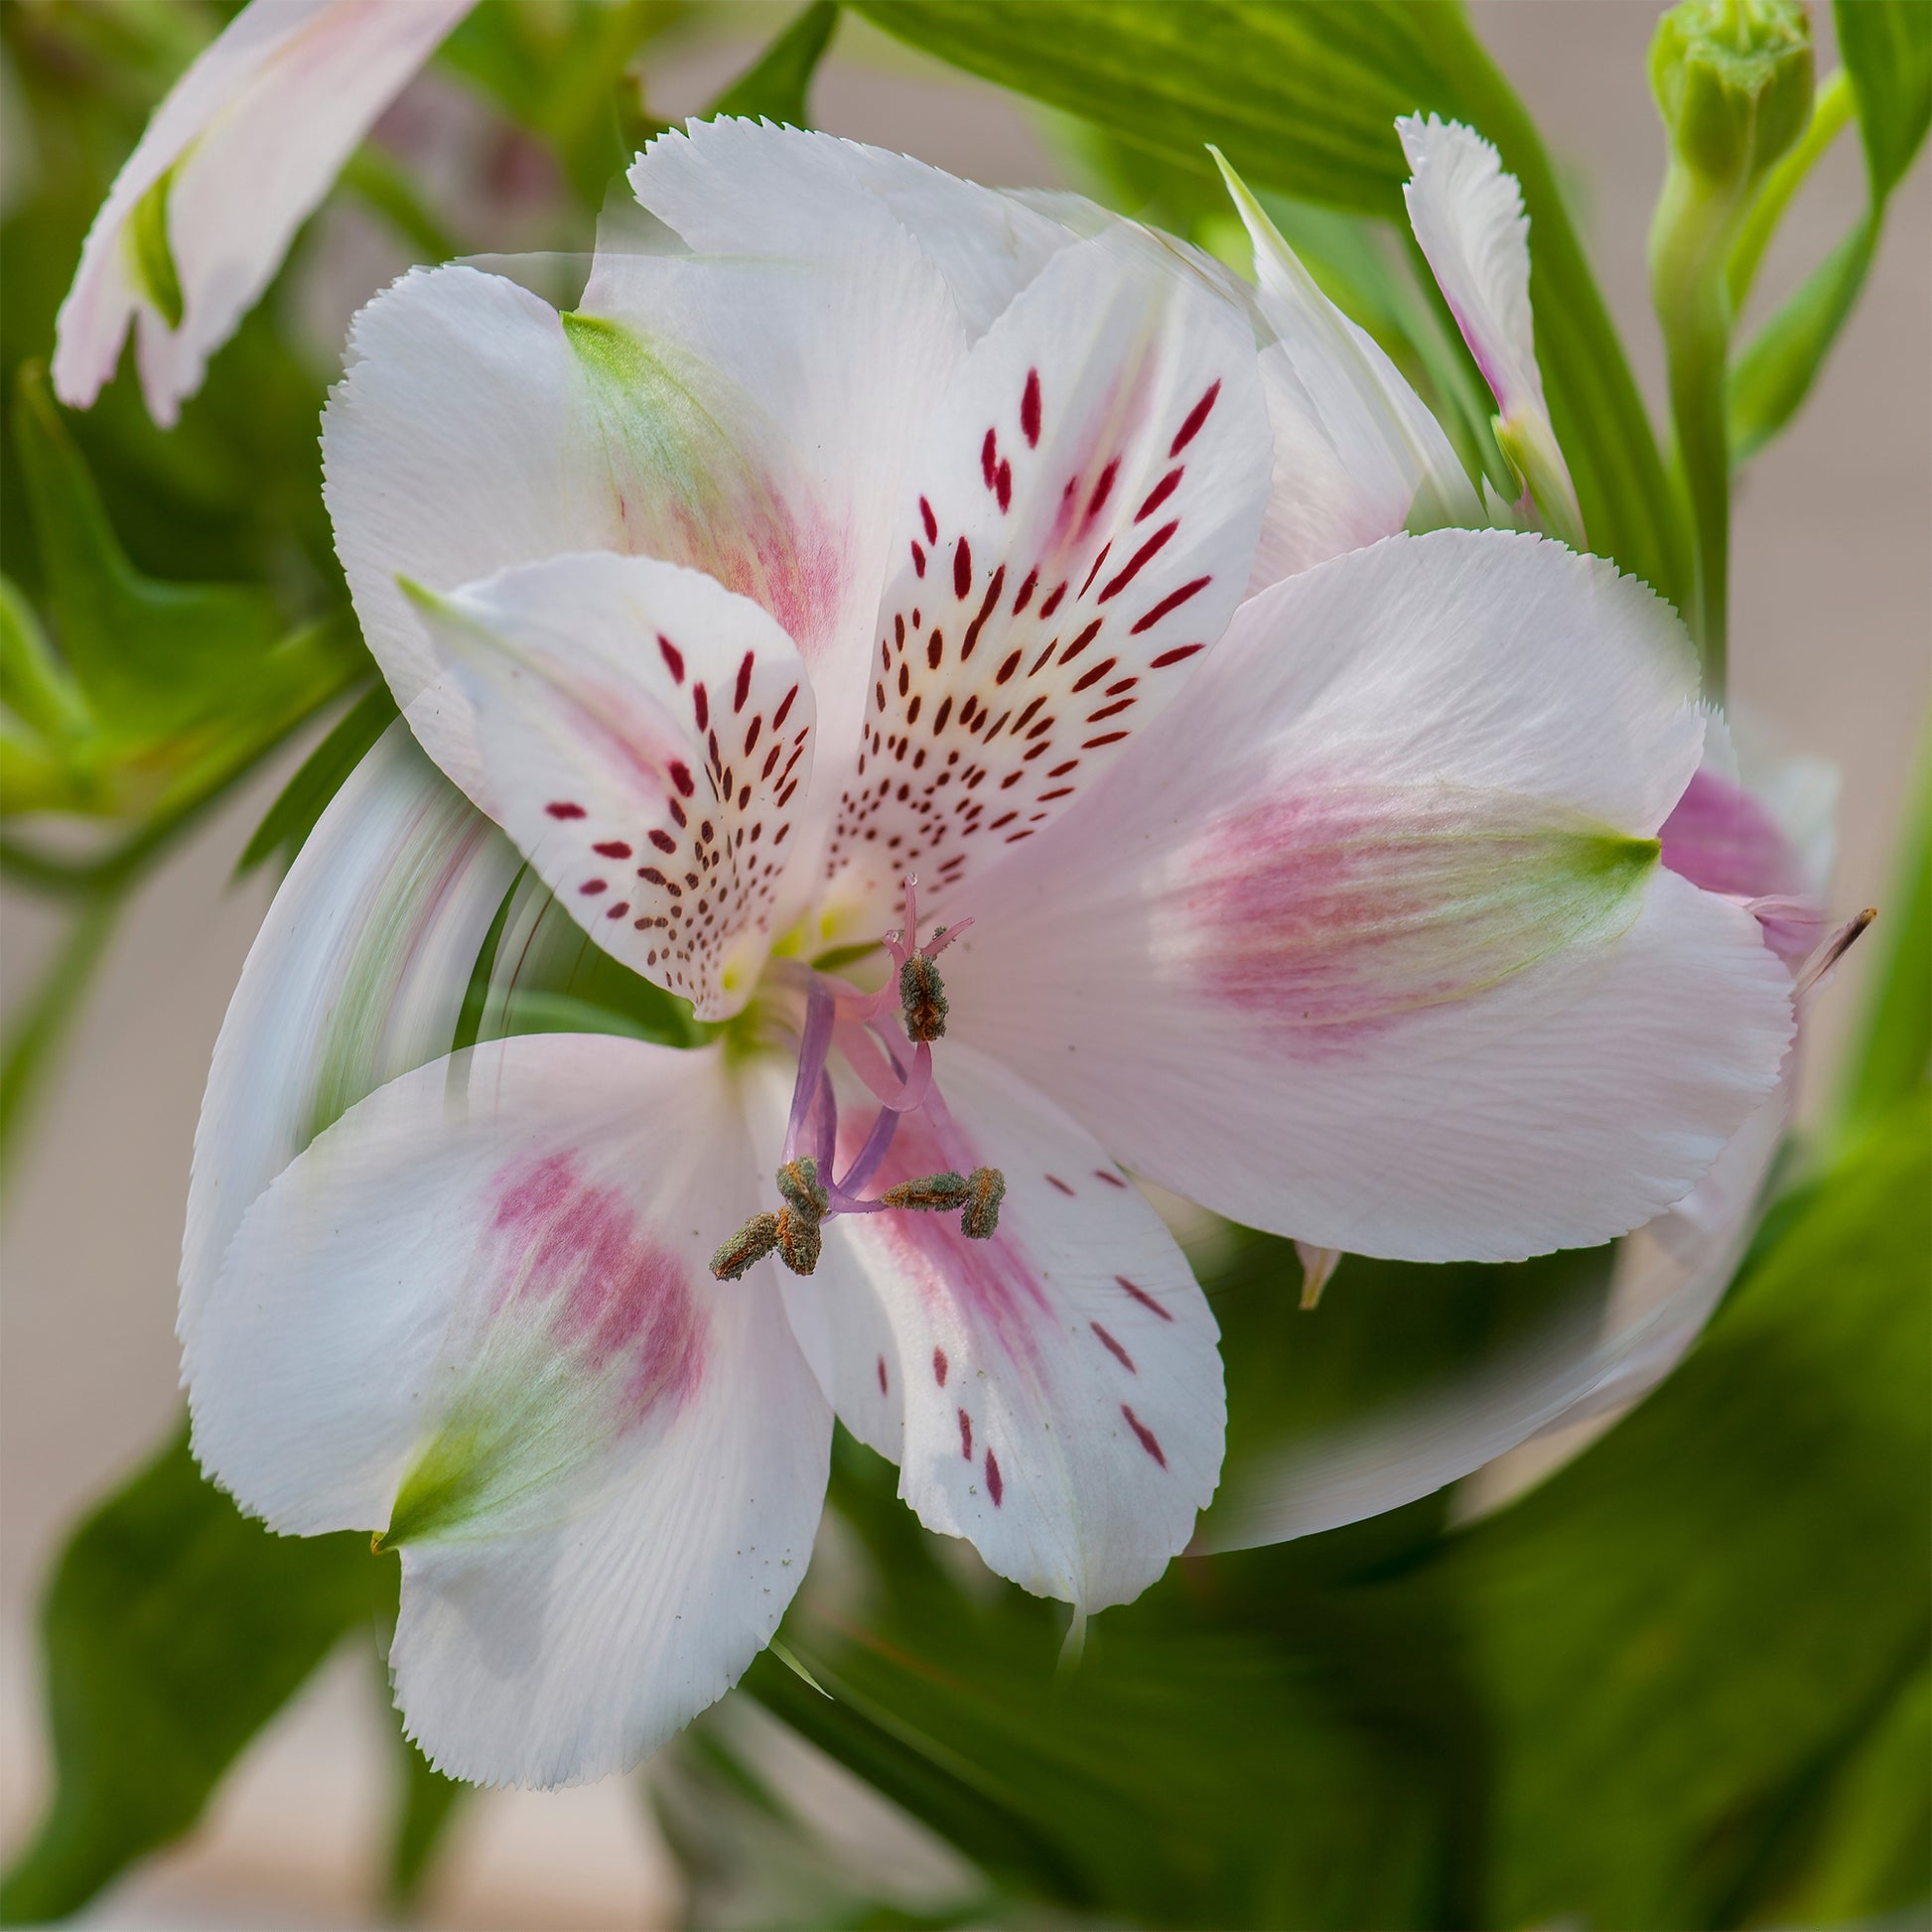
x=799, y=1184
x=935, y=1192
x=751, y=1243
x=986, y=1190
x=922, y=1000
x=800, y=1241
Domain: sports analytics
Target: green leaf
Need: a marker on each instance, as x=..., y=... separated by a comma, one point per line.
x=426, y=1803
x=1886, y=47
x=172, y=1629
x=1674, y=1631
x=1303, y=99
x=286, y=825
x=1892, y=1051
x=775, y=89
x=151, y=656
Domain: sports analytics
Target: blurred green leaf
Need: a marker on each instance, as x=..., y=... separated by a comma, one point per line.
x=286, y=825
x=172, y=1629
x=1891, y=1053
x=37, y=1026
x=1237, y=1747
x=426, y=1803
x=1886, y=47
x=1860, y=1849
x=775, y=89
x=1672, y=1632
x=1303, y=98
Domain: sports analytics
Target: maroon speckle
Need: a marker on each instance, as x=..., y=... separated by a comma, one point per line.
x=1149, y=1440
x=1095, y=571
x=1114, y=1348
x=1026, y=595
x=743, y=689
x=994, y=586
x=1053, y=602
x=613, y=849
x=1158, y=496
x=965, y=1437
x=1081, y=641
x=701, y=706
x=918, y=560
x=594, y=885
x=1029, y=410
x=1172, y=601
x=1190, y=430
x=995, y=1483
x=936, y=648
x=673, y=658
x=1054, y=1181
x=1006, y=669
x=1095, y=673
x=1146, y=1299
x=1103, y=488
x=618, y=911
x=681, y=777
x=564, y=809
x=783, y=711
x=1112, y=1179
x=1173, y=657
x=962, y=568
x=1003, y=484
x=881, y=1375
x=1105, y=737
x=931, y=522
x=1132, y=569
x=989, y=459
x=939, y=1366
x=662, y=839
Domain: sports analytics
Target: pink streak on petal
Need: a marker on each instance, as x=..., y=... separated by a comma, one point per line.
x=1720, y=837
x=577, y=1252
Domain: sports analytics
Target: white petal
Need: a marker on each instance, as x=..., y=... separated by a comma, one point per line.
x=641, y=734
x=1467, y=215
x=742, y=188
x=1357, y=454
x=476, y=1314
x=256, y=129
x=1364, y=944
x=358, y=975
x=457, y=444
x=759, y=418
x=1077, y=530
x=1591, y=1355
x=1053, y=1394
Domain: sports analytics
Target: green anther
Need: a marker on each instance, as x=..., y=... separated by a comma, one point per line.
x=943, y=1192
x=800, y=1240
x=923, y=996
x=799, y=1184
x=149, y=254
x=988, y=1188
x=753, y=1242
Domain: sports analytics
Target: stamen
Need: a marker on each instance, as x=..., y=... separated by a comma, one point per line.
x=841, y=1015
x=751, y=1243
x=1818, y=968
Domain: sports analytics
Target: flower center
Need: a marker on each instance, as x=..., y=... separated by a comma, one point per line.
x=841, y=1019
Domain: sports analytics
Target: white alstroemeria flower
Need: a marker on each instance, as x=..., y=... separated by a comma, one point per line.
x=901, y=527
x=234, y=160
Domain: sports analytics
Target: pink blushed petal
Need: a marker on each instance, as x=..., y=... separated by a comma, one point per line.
x=1722, y=838
x=477, y=1316
x=1449, y=1006
x=1053, y=1394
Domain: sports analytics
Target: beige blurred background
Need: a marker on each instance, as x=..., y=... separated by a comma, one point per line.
x=1831, y=623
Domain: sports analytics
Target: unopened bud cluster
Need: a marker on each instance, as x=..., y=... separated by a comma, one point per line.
x=1732, y=81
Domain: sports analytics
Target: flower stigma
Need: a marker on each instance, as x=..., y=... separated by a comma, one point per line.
x=840, y=1018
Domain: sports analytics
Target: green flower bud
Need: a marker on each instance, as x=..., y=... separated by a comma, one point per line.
x=1732, y=81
